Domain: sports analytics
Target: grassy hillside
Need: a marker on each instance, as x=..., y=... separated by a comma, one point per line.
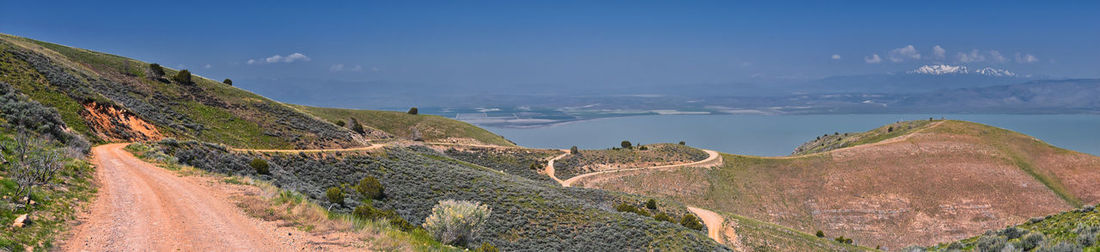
x=432, y=128
x=834, y=141
x=111, y=98
x=946, y=181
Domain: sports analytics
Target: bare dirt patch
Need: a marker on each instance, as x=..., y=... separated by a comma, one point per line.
x=116, y=124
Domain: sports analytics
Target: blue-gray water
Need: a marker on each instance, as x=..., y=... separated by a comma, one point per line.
x=779, y=135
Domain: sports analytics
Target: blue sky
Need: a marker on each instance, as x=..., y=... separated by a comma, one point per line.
x=616, y=43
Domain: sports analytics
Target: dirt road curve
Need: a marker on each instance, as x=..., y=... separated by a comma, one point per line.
x=550, y=167
x=711, y=220
x=713, y=159
x=141, y=207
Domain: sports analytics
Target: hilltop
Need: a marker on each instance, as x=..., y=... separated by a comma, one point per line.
x=935, y=182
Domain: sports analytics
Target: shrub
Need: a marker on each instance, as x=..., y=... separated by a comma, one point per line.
x=156, y=70
x=844, y=240
x=651, y=204
x=642, y=147
x=486, y=247
x=368, y=212
x=573, y=150
x=259, y=165
x=1032, y=240
x=664, y=217
x=683, y=143
x=625, y=144
x=183, y=77
x=691, y=221
x=335, y=195
x=413, y=111
x=820, y=234
x=628, y=208
x=370, y=188
x=340, y=123
x=456, y=222
x=227, y=81
x=991, y=243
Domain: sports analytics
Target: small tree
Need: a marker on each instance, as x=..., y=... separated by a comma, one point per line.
x=651, y=204
x=370, y=188
x=156, y=70
x=413, y=111
x=820, y=234
x=183, y=77
x=691, y=221
x=457, y=222
x=574, y=151
x=259, y=165
x=625, y=144
x=683, y=143
x=227, y=81
x=356, y=126
x=335, y=195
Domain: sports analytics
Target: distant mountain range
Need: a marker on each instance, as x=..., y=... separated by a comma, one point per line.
x=951, y=69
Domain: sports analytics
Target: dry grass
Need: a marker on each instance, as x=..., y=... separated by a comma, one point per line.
x=951, y=181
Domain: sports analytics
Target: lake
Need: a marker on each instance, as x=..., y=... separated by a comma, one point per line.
x=778, y=135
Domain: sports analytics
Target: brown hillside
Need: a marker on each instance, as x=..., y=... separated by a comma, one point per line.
x=946, y=181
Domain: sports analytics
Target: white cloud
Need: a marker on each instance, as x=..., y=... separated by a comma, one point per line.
x=281, y=59
x=1026, y=58
x=207, y=66
x=836, y=56
x=341, y=68
x=973, y=56
x=374, y=69
x=939, y=52
x=996, y=56
x=904, y=53
x=873, y=59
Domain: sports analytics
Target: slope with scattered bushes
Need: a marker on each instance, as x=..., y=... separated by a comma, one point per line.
x=429, y=128
x=1077, y=230
x=526, y=214
x=945, y=181
x=111, y=98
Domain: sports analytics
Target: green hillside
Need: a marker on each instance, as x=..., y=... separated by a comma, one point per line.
x=89, y=88
x=430, y=127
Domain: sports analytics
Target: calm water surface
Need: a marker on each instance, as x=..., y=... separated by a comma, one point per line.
x=779, y=135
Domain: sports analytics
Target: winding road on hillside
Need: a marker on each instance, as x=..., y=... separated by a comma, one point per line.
x=713, y=221
x=141, y=207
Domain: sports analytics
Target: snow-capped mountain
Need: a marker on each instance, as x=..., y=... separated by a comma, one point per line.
x=950, y=69
x=989, y=71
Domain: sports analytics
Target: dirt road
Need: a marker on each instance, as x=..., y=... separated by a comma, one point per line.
x=141, y=207
x=711, y=220
x=713, y=159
